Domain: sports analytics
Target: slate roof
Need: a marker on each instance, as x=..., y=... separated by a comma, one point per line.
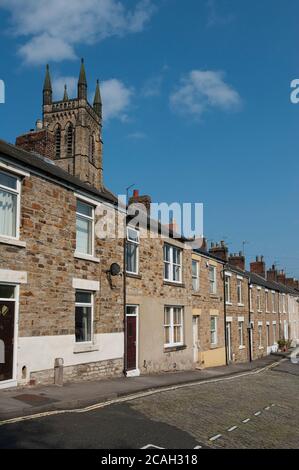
x=49, y=168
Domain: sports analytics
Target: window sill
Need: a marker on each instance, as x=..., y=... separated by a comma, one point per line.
x=174, y=348
x=214, y=346
x=13, y=242
x=242, y=347
x=241, y=305
x=196, y=294
x=173, y=284
x=87, y=257
x=134, y=276
x=228, y=303
x=261, y=347
x=84, y=348
x=214, y=296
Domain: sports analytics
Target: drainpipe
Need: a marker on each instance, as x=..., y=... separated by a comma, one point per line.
x=224, y=299
x=125, y=297
x=249, y=321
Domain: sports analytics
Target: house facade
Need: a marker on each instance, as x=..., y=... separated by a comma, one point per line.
x=137, y=300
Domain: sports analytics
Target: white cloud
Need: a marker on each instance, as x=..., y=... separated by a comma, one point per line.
x=58, y=86
x=116, y=99
x=202, y=90
x=52, y=30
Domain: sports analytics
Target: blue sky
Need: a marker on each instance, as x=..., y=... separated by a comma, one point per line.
x=196, y=101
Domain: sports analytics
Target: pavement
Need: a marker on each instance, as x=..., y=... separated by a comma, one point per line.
x=26, y=401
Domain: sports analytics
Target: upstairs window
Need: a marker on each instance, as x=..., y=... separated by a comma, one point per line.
x=273, y=303
x=85, y=228
x=212, y=279
x=258, y=300
x=227, y=289
x=172, y=263
x=132, y=251
x=195, y=275
x=240, y=291
x=9, y=205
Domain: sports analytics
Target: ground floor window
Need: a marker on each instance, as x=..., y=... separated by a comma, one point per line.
x=173, y=326
x=241, y=333
x=268, y=335
x=83, y=316
x=213, y=331
x=260, y=335
x=274, y=333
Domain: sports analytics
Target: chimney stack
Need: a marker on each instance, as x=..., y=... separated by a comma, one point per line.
x=281, y=277
x=39, y=141
x=258, y=266
x=220, y=251
x=145, y=200
x=272, y=274
x=237, y=260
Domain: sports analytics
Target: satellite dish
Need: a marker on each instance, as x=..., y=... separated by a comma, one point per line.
x=115, y=269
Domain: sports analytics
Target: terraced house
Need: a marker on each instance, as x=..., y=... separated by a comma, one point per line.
x=93, y=305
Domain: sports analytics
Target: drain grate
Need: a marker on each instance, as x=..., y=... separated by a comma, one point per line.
x=34, y=400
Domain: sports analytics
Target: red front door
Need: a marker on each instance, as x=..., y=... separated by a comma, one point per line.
x=7, y=323
x=131, y=343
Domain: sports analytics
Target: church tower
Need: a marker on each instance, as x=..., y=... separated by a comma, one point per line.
x=76, y=127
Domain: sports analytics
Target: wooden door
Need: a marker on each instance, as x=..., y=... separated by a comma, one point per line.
x=7, y=322
x=131, y=343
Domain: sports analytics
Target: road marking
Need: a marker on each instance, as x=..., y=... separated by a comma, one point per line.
x=135, y=396
x=246, y=420
x=257, y=413
x=232, y=428
x=267, y=408
x=214, y=438
x=152, y=446
x=197, y=447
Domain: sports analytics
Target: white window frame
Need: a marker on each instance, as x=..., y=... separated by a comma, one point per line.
x=214, y=281
x=241, y=332
x=284, y=303
x=17, y=193
x=260, y=335
x=135, y=243
x=251, y=299
x=196, y=278
x=273, y=301
x=259, y=299
x=214, y=331
x=82, y=304
x=92, y=218
x=240, y=299
x=266, y=300
x=171, y=326
x=274, y=333
x=171, y=264
x=227, y=284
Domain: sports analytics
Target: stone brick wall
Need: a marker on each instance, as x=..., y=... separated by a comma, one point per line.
x=208, y=305
x=47, y=301
x=80, y=372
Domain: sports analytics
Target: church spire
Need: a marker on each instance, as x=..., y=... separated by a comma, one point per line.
x=47, y=90
x=97, y=102
x=82, y=83
x=65, y=95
